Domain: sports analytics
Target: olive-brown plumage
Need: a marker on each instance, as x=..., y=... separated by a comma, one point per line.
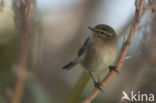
x=99, y=50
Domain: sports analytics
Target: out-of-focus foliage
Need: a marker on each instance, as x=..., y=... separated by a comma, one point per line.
x=8, y=49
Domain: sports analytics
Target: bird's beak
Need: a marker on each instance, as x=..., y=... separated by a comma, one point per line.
x=90, y=28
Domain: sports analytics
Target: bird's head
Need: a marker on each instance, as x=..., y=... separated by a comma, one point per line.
x=103, y=32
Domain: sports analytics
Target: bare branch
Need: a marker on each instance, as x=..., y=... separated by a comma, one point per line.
x=23, y=20
x=150, y=8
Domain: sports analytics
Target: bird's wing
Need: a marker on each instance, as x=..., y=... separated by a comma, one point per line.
x=83, y=48
x=77, y=59
x=71, y=64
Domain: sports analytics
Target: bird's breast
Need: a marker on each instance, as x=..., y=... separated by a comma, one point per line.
x=99, y=57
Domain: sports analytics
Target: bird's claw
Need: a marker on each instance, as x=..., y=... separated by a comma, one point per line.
x=98, y=85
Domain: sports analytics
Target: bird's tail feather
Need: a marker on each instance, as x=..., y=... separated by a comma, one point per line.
x=71, y=64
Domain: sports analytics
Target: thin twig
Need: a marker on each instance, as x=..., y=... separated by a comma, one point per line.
x=150, y=8
x=120, y=61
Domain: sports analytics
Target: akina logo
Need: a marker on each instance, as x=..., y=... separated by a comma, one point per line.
x=138, y=96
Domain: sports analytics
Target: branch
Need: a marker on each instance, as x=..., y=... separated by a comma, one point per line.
x=120, y=61
x=150, y=8
x=23, y=19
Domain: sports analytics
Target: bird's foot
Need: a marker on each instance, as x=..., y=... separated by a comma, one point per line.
x=113, y=68
x=98, y=85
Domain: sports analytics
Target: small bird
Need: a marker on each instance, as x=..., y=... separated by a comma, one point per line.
x=98, y=52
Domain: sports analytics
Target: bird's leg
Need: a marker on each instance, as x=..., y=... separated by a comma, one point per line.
x=113, y=68
x=96, y=84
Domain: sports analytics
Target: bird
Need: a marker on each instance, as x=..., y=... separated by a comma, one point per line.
x=98, y=52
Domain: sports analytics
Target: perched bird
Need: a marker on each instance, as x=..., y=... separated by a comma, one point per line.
x=98, y=52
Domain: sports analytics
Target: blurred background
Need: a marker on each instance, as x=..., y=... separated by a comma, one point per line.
x=38, y=37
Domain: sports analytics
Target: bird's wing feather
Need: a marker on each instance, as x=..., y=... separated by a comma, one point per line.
x=77, y=59
x=83, y=48
x=71, y=64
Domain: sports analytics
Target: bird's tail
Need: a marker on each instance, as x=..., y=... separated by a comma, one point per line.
x=71, y=64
